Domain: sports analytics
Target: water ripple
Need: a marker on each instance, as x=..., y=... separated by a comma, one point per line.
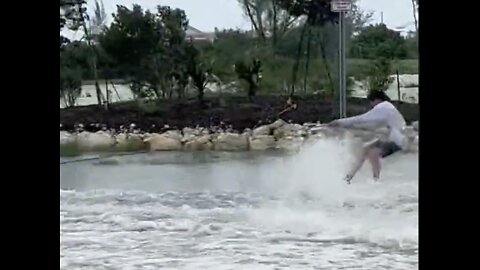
x=284, y=213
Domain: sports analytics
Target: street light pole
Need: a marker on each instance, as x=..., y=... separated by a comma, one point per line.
x=342, y=6
x=342, y=67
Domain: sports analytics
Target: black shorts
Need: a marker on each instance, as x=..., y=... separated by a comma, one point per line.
x=388, y=148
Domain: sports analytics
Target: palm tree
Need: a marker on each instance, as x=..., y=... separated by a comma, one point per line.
x=97, y=26
x=91, y=35
x=98, y=21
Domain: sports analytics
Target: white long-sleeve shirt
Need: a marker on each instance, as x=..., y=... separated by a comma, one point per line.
x=384, y=113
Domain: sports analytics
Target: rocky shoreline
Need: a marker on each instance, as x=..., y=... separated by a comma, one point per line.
x=277, y=135
x=228, y=123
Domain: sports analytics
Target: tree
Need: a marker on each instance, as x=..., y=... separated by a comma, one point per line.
x=251, y=73
x=70, y=74
x=318, y=14
x=71, y=16
x=379, y=75
x=70, y=85
x=411, y=45
x=147, y=46
x=197, y=69
x=175, y=23
x=229, y=47
x=378, y=41
x=358, y=18
x=268, y=19
x=131, y=37
x=97, y=25
x=98, y=20
x=381, y=44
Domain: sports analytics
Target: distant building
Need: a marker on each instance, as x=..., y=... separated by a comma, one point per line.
x=196, y=35
x=405, y=30
x=192, y=34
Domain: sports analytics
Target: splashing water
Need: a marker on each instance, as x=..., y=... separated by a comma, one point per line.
x=239, y=211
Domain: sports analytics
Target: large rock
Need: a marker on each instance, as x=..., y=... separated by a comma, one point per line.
x=290, y=143
x=146, y=135
x=199, y=143
x=262, y=142
x=288, y=130
x=277, y=124
x=262, y=130
x=163, y=142
x=188, y=138
x=129, y=142
x=248, y=131
x=98, y=141
x=322, y=131
x=231, y=142
x=188, y=134
x=173, y=134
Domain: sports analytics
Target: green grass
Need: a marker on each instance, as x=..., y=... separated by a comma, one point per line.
x=69, y=150
x=72, y=149
x=358, y=68
x=277, y=71
x=149, y=106
x=409, y=66
x=130, y=147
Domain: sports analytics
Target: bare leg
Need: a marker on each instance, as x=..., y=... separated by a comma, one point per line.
x=373, y=155
x=358, y=165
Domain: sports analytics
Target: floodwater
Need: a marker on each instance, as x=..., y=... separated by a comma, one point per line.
x=238, y=211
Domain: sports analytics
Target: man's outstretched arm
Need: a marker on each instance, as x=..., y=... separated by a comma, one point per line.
x=374, y=116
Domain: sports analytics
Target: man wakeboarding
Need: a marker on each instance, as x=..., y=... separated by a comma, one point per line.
x=382, y=113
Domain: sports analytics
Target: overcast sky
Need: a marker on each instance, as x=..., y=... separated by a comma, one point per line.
x=205, y=15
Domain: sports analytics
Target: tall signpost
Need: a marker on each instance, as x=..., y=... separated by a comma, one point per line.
x=342, y=7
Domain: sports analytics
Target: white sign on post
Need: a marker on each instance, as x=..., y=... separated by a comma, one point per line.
x=341, y=5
